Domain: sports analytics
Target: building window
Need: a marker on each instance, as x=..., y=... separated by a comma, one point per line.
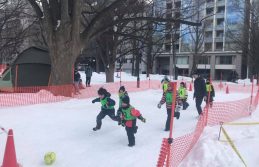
x=204, y=59
x=169, y=6
x=178, y=4
x=168, y=37
x=167, y=48
x=219, y=45
x=219, y=33
x=208, y=47
x=208, y=34
x=220, y=22
x=169, y=15
x=182, y=60
x=209, y=1
x=221, y=9
x=225, y=60
x=177, y=47
x=209, y=11
x=208, y=23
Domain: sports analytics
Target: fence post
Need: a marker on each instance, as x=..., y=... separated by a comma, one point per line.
x=251, y=99
x=170, y=139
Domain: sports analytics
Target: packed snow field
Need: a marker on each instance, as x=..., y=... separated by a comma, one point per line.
x=66, y=129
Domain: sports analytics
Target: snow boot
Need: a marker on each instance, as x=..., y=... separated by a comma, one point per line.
x=95, y=128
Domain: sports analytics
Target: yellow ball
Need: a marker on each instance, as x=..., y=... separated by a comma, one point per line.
x=49, y=158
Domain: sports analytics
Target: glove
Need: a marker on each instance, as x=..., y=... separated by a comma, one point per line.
x=159, y=105
x=143, y=120
x=122, y=123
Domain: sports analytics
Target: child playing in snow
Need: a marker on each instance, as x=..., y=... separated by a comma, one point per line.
x=210, y=93
x=183, y=95
x=129, y=115
x=106, y=109
x=122, y=94
x=167, y=98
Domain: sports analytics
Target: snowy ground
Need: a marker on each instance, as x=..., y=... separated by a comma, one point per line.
x=66, y=129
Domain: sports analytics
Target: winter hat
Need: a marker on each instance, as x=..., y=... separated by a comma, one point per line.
x=126, y=100
x=122, y=88
x=102, y=91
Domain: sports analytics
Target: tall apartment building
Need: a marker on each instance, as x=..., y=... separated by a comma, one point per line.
x=219, y=54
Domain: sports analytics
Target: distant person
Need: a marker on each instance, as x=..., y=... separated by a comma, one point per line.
x=88, y=75
x=122, y=94
x=199, y=91
x=210, y=93
x=165, y=81
x=183, y=95
x=77, y=78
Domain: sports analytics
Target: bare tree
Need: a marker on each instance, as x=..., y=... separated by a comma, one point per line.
x=71, y=25
x=246, y=41
x=12, y=30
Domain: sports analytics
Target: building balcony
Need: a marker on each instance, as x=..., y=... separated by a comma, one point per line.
x=218, y=49
x=221, y=3
x=225, y=67
x=203, y=66
x=208, y=39
x=209, y=28
x=218, y=39
x=220, y=15
x=219, y=27
x=182, y=66
x=210, y=4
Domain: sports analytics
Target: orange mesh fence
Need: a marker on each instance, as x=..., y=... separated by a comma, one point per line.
x=181, y=146
x=2, y=68
x=219, y=113
x=36, y=95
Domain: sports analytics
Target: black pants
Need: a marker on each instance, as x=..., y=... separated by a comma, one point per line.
x=185, y=104
x=88, y=80
x=102, y=114
x=198, y=101
x=168, y=120
x=130, y=132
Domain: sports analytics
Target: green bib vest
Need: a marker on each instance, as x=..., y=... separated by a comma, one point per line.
x=168, y=97
x=104, y=102
x=165, y=86
x=208, y=88
x=121, y=96
x=127, y=114
x=181, y=92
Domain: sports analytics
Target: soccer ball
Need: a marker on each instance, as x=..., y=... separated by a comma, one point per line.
x=49, y=158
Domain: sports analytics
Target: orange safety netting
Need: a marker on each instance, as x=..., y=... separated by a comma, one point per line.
x=219, y=113
x=39, y=94
x=181, y=146
x=2, y=68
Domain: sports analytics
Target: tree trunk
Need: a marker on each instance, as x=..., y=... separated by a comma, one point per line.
x=63, y=52
x=110, y=73
x=149, y=49
x=245, y=49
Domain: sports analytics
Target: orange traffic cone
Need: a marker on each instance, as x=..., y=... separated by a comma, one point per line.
x=190, y=87
x=227, y=90
x=10, y=155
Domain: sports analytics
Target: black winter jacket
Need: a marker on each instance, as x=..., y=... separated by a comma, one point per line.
x=199, y=88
